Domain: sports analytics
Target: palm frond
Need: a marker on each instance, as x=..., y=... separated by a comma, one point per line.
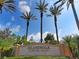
x=40, y=2
x=68, y=4
x=0, y=8
x=34, y=18
x=43, y=2
x=42, y=6
x=67, y=39
x=46, y=5
x=23, y=17
x=28, y=16
x=48, y=15
x=9, y=5
x=9, y=1
x=62, y=3
x=55, y=10
x=60, y=9
x=57, y=2
x=37, y=8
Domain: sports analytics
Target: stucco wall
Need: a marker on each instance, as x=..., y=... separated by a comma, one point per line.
x=43, y=49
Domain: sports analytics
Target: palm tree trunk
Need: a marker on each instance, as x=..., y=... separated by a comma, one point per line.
x=41, y=26
x=27, y=29
x=73, y=55
x=75, y=15
x=55, y=21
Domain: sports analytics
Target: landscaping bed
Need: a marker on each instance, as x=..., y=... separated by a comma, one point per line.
x=36, y=57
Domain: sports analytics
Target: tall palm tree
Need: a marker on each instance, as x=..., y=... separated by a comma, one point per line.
x=70, y=2
x=8, y=5
x=42, y=7
x=28, y=17
x=55, y=11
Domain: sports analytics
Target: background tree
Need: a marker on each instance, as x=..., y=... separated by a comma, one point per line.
x=6, y=33
x=50, y=39
x=24, y=41
x=31, y=39
x=42, y=7
x=18, y=40
x=6, y=47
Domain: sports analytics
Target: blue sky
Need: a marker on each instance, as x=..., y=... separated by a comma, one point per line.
x=66, y=21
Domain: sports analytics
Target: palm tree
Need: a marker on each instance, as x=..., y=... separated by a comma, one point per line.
x=6, y=33
x=28, y=17
x=8, y=5
x=70, y=2
x=42, y=7
x=68, y=42
x=55, y=11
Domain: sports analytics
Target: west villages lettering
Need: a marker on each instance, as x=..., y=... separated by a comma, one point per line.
x=38, y=47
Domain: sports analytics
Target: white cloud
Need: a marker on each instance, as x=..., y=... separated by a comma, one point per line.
x=45, y=34
x=8, y=24
x=58, y=37
x=2, y=27
x=23, y=6
x=16, y=29
x=36, y=36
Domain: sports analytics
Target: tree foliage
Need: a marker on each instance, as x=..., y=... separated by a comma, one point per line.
x=50, y=39
x=73, y=43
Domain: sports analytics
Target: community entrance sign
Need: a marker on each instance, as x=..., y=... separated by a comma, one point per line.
x=42, y=49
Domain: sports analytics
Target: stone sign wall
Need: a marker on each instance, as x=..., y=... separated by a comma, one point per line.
x=42, y=49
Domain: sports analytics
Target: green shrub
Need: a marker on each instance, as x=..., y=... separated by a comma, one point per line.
x=8, y=53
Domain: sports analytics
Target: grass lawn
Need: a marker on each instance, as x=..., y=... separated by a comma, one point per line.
x=36, y=57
